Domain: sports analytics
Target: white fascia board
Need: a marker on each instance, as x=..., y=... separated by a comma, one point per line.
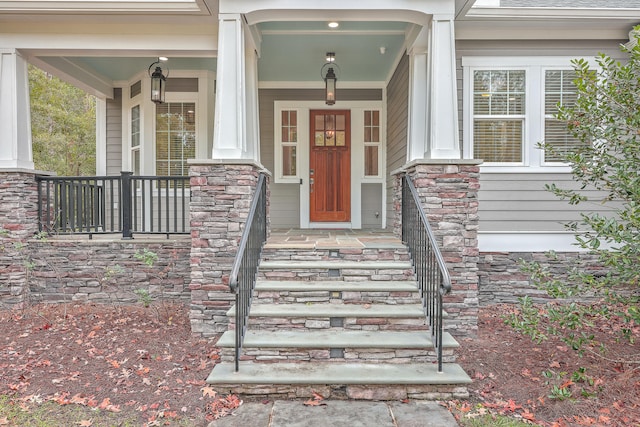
x=543, y=29
x=88, y=44
x=463, y=7
x=553, y=13
x=257, y=11
x=527, y=242
x=113, y=6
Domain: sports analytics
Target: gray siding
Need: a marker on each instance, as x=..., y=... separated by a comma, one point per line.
x=114, y=133
x=372, y=205
x=397, y=118
x=519, y=202
x=285, y=198
x=284, y=205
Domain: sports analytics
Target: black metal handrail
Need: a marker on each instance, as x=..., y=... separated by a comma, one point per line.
x=431, y=270
x=245, y=266
x=124, y=204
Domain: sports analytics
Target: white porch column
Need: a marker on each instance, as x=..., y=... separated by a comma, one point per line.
x=15, y=112
x=442, y=121
x=234, y=127
x=418, y=103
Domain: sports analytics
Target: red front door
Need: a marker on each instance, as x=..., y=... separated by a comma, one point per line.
x=329, y=166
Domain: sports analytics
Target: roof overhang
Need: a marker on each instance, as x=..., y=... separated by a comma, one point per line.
x=107, y=6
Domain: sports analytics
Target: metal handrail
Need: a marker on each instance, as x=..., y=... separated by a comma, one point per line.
x=245, y=266
x=431, y=271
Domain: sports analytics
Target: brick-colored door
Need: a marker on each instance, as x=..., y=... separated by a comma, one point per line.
x=330, y=166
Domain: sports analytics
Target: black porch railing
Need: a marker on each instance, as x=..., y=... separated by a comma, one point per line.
x=431, y=271
x=123, y=204
x=245, y=266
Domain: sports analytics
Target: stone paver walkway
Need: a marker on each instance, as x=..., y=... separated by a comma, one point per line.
x=338, y=413
x=331, y=239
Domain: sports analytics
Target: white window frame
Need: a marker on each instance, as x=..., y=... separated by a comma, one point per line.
x=177, y=98
x=377, y=144
x=534, y=119
x=279, y=176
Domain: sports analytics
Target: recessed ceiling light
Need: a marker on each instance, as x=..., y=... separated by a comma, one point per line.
x=333, y=24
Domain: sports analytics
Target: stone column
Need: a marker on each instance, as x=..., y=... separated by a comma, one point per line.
x=448, y=191
x=18, y=223
x=221, y=194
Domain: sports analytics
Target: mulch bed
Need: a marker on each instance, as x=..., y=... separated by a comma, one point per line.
x=144, y=362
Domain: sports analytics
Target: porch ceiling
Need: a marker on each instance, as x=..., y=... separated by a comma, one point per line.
x=295, y=51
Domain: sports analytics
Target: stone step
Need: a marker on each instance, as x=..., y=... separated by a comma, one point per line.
x=395, y=252
x=336, y=292
x=359, y=381
x=404, y=311
x=336, y=285
x=336, y=339
x=335, y=265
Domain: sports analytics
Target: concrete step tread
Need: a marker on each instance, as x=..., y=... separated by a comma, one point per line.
x=337, y=373
x=310, y=286
x=337, y=339
x=334, y=310
x=337, y=264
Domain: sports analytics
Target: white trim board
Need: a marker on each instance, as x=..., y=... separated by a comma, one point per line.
x=527, y=242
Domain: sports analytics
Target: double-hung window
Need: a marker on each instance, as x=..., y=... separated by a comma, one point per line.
x=175, y=137
x=509, y=109
x=558, y=89
x=499, y=111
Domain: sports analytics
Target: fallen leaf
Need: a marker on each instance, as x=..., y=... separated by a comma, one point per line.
x=208, y=392
x=604, y=419
x=566, y=384
x=85, y=423
x=554, y=364
x=313, y=402
x=4, y=421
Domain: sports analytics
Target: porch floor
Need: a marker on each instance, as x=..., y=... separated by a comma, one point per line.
x=293, y=238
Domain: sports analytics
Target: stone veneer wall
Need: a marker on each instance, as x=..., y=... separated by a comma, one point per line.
x=63, y=269
x=503, y=281
x=107, y=270
x=18, y=222
x=449, y=193
x=221, y=194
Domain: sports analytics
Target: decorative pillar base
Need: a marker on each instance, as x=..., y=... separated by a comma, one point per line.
x=18, y=223
x=448, y=191
x=221, y=194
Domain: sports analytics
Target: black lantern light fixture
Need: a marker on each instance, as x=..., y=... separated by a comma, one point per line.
x=329, y=78
x=158, y=80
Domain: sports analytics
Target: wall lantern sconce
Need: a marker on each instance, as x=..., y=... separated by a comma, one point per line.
x=329, y=77
x=158, y=80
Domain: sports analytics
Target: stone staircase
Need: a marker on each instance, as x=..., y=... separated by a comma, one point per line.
x=345, y=322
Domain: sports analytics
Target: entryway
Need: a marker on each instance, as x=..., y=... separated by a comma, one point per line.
x=330, y=166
